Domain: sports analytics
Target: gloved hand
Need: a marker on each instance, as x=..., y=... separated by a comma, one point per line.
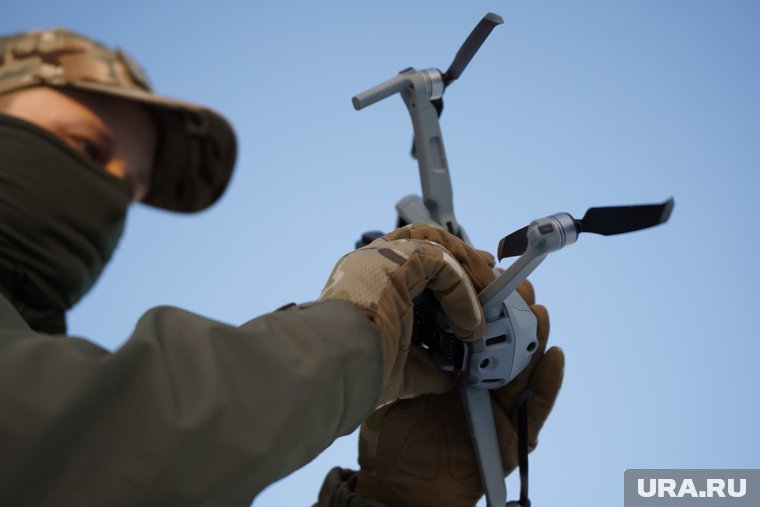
x=419, y=452
x=383, y=278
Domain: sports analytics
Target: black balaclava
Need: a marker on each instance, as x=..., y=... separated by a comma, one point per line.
x=61, y=216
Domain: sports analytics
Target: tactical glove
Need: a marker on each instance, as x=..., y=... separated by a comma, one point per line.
x=478, y=264
x=419, y=452
x=383, y=278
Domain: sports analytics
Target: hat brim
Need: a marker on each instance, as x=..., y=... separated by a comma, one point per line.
x=195, y=154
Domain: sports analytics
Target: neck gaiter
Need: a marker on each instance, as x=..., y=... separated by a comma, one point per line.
x=61, y=216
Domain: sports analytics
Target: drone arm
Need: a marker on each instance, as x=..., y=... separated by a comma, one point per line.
x=543, y=236
x=479, y=413
x=431, y=154
x=381, y=91
x=491, y=297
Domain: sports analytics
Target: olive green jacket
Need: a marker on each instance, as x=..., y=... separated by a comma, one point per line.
x=189, y=412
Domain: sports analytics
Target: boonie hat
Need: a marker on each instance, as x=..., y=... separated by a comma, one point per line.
x=196, y=147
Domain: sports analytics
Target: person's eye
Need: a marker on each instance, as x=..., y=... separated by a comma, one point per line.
x=92, y=151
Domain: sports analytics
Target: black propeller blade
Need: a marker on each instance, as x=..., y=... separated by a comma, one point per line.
x=621, y=219
x=463, y=57
x=471, y=45
x=604, y=220
x=513, y=245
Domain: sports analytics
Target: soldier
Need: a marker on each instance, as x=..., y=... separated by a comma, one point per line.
x=191, y=411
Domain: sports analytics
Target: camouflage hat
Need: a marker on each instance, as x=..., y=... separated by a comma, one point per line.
x=196, y=149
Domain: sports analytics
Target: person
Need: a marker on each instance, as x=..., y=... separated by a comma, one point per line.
x=192, y=411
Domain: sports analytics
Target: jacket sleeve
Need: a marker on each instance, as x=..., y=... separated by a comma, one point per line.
x=189, y=411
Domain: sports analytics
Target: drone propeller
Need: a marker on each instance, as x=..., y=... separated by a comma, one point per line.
x=606, y=221
x=612, y=220
x=471, y=45
x=463, y=57
x=513, y=245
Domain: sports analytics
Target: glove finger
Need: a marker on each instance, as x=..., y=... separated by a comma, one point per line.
x=545, y=385
x=547, y=379
x=452, y=288
x=543, y=325
x=487, y=258
x=507, y=396
x=527, y=292
x=507, y=435
x=481, y=281
x=404, y=232
x=477, y=264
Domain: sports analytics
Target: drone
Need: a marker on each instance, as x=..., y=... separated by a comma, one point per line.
x=509, y=340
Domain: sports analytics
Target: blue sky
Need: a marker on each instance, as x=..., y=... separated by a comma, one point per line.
x=568, y=105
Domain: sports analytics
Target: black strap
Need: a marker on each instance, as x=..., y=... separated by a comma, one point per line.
x=522, y=446
x=522, y=449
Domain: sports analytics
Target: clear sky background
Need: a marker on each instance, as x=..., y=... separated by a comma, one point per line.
x=570, y=104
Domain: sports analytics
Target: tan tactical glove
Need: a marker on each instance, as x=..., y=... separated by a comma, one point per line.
x=418, y=452
x=383, y=278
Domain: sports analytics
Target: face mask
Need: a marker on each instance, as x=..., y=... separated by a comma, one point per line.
x=61, y=216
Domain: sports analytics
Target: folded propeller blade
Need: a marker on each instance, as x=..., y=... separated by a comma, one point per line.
x=513, y=245
x=471, y=45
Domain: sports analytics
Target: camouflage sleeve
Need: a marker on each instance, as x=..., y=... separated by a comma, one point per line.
x=339, y=490
x=189, y=411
